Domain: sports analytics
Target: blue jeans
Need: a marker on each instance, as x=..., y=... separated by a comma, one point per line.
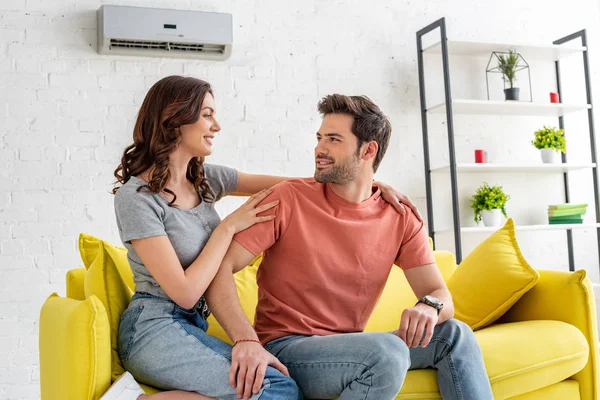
x=372, y=366
x=166, y=346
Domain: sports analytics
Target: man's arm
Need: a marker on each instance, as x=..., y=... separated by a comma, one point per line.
x=222, y=296
x=427, y=280
x=417, y=323
x=249, y=360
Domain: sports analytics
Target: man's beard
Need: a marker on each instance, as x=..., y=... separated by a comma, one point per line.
x=339, y=173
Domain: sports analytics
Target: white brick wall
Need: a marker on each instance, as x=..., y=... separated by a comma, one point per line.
x=66, y=114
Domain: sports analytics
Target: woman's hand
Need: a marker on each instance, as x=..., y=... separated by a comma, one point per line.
x=247, y=215
x=397, y=199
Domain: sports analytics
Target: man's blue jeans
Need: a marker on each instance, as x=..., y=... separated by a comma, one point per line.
x=372, y=366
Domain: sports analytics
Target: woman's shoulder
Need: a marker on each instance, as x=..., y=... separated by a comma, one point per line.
x=215, y=170
x=129, y=193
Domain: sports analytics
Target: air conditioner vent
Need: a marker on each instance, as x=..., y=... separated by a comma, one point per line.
x=166, y=46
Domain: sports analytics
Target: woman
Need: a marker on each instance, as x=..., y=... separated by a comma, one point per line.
x=176, y=242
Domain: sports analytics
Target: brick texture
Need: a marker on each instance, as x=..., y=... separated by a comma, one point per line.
x=67, y=113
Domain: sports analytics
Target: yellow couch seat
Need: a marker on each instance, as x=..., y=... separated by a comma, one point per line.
x=545, y=347
x=518, y=359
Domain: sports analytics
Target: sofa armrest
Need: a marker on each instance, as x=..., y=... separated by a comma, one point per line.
x=75, y=278
x=568, y=297
x=74, y=341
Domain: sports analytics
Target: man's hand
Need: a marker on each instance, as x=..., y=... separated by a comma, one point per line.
x=397, y=199
x=249, y=361
x=417, y=323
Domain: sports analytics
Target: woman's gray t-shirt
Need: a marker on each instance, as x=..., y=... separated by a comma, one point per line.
x=144, y=214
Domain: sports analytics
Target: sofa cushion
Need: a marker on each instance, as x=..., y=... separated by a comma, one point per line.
x=104, y=280
x=491, y=279
x=565, y=390
x=89, y=248
x=74, y=348
x=568, y=297
x=75, y=278
x=420, y=384
x=521, y=357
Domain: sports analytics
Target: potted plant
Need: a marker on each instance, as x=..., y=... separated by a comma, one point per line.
x=550, y=142
x=488, y=204
x=507, y=64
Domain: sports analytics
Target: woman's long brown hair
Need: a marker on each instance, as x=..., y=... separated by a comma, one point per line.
x=171, y=102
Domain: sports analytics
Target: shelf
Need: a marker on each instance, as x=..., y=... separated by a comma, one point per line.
x=546, y=227
x=514, y=168
x=509, y=108
x=481, y=49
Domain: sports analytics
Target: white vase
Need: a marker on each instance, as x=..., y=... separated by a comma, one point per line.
x=492, y=217
x=550, y=156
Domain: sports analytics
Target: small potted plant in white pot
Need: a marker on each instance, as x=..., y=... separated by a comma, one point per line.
x=488, y=204
x=551, y=142
x=507, y=64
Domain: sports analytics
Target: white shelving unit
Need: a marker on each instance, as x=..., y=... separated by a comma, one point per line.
x=513, y=168
x=485, y=107
x=450, y=107
x=529, y=52
x=546, y=227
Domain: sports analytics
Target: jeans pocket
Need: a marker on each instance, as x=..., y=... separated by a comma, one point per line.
x=127, y=330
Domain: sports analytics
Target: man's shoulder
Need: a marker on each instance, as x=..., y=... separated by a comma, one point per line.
x=297, y=186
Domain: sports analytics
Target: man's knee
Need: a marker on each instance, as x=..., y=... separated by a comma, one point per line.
x=459, y=334
x=390, y=355
x=278, y=386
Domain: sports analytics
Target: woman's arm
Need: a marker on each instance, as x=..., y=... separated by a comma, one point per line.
x=185, y=287
x=249, y=184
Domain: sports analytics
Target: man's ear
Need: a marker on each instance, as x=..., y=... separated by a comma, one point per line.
x=369, y=150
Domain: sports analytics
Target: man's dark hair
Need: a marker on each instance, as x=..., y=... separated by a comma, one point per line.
x=369, y=121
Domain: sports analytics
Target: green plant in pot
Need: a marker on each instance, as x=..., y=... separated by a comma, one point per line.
x=488, y=204
x=507, y=64
x=551, y=142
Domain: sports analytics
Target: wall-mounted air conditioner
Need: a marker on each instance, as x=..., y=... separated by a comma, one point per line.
x=154, y=32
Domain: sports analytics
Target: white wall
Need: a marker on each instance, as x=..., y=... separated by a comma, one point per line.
x=67, y=113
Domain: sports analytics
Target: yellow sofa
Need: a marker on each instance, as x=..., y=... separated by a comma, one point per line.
x=544, y=347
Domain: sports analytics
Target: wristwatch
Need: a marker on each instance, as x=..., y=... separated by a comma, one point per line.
x=432, y=302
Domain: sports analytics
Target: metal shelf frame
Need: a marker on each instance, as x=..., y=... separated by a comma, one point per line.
x=441, y=25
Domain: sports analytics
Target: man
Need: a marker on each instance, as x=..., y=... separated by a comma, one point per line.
x=327, y=256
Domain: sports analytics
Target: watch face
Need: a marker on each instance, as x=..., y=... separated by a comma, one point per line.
x=435, y=302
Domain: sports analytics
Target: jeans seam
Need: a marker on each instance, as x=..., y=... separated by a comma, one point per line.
x=454, y=378
x=450, y=364
x=201, y=342
x=326, y=363
x=130, y=340
x=370, y=385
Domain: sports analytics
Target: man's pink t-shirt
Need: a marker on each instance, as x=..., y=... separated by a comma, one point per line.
x=326, y=260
